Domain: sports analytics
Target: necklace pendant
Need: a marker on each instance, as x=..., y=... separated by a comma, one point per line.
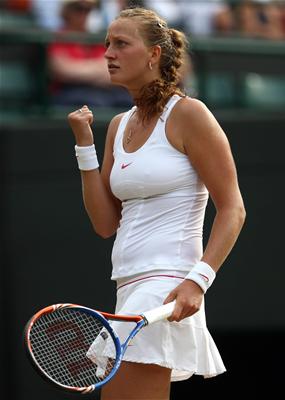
x=129, y=137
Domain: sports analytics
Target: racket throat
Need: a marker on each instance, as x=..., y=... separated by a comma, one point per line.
x=144, y=320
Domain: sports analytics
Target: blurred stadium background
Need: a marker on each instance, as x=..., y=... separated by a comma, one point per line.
x=49, y=252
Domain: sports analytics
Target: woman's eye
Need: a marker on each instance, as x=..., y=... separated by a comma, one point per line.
x=117, y=43
x=121, y=43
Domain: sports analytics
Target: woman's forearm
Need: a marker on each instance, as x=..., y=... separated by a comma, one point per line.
x=102, y=208
x=225, y=230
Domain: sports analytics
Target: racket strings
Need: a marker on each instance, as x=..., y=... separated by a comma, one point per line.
x=60, y=342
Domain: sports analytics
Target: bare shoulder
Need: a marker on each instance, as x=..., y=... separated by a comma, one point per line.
x=193, y=112
x=190, y=103
x=196, y=122
x=190, y=120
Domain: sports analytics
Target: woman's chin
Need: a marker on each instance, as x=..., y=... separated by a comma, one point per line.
x=116, y=82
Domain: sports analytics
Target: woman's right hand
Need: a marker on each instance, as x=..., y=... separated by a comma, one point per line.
x=80, y=122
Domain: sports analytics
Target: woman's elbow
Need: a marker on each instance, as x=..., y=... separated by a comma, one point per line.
x=241, y=214
x=105, y=235
x=105, y=232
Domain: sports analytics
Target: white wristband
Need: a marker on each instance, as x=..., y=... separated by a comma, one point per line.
x=86, y=157
x=202, y=274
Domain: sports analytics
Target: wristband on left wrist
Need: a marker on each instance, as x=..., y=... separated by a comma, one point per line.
x=202, y=274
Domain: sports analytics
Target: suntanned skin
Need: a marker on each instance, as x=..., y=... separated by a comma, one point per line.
x=192, y=129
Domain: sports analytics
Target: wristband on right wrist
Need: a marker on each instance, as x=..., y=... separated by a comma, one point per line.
x=202, y=274
x=86, y=157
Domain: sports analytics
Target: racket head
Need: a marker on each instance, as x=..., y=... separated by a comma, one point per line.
x=57, y=339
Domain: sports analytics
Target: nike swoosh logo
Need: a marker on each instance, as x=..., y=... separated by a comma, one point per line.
x=125, y=165
x=204, y=277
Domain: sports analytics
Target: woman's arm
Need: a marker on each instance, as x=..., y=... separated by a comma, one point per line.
x=209, y=152
x=66, y=69
x=103, y=209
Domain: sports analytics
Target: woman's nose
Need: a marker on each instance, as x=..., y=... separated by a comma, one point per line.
x=109, y=53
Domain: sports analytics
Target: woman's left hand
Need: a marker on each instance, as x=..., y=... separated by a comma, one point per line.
x=188, y=296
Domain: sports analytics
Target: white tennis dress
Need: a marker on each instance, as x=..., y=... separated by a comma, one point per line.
x=158, y=241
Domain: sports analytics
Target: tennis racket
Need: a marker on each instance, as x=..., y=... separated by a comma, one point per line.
x=76, y=348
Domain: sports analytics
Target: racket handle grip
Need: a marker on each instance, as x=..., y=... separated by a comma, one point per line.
x=159, y=313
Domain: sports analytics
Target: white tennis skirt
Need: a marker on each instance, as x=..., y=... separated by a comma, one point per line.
x=186, y=347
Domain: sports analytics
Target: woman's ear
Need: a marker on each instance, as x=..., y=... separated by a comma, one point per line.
x=155, y=54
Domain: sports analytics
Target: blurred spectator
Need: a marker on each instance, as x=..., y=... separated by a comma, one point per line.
x=47, y=15
x=206, y=17
x=78, y=71
x=260, y=18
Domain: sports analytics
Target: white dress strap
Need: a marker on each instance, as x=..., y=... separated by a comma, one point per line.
x=169, y=106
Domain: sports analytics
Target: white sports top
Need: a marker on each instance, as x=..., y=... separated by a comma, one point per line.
x=163, y=204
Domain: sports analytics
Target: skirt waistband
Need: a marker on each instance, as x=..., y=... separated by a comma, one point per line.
x=152, y=274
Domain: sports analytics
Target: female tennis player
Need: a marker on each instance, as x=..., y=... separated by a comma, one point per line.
x=162, y=160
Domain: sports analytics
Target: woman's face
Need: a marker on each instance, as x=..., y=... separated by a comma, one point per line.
x=127, y=55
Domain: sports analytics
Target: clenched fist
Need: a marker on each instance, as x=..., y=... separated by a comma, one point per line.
x=80, y=122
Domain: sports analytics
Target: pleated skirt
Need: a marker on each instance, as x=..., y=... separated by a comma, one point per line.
x=186, y=347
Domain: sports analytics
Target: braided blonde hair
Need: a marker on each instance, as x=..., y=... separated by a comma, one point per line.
x=173, y=43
